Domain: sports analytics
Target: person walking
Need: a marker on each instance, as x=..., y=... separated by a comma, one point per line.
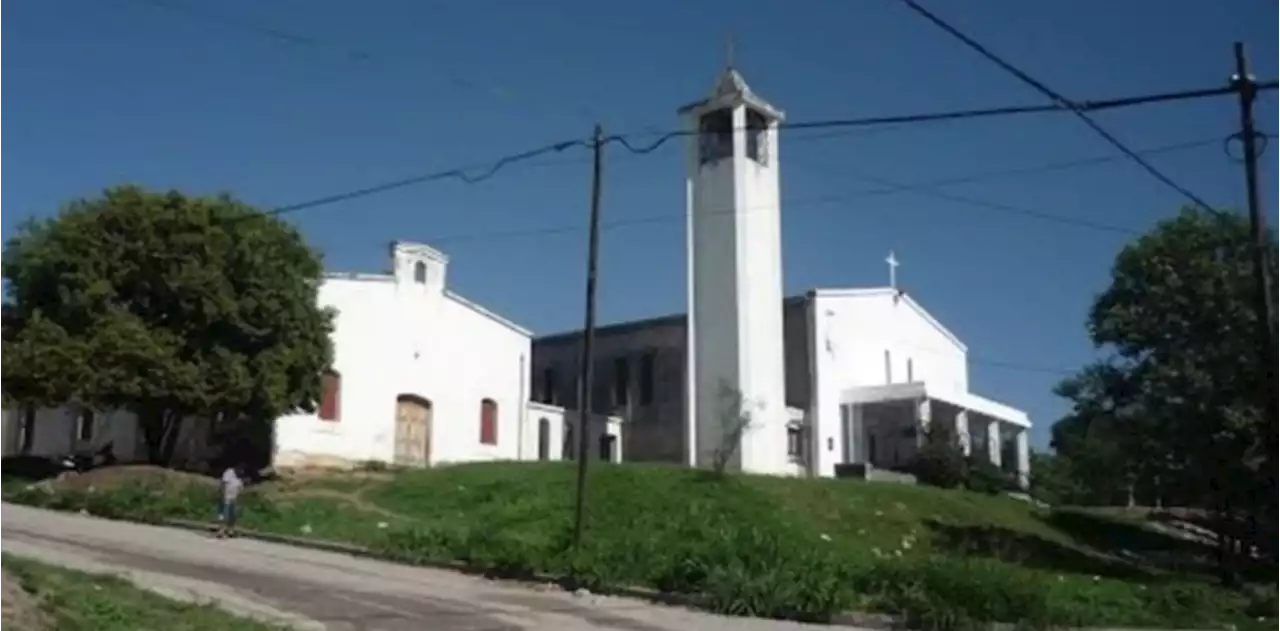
x=230, y=487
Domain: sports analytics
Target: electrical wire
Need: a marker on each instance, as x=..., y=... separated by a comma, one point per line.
x=351, y=53
x=460, y=173
x=908, y=119
x=887, y=189
x=490, y=169
x=1060, y=100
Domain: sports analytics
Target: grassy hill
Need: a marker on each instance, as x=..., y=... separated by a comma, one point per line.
x=39, y=597
x=790, y=548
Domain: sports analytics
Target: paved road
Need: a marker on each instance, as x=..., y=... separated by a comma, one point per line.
x=307, y=589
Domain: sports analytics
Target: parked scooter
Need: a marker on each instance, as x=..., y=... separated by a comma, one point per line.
x=83, y=461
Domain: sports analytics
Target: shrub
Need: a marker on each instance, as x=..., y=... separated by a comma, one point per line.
x=940, y=461
x=983, y=476
x=776, y=577
x=945, y=593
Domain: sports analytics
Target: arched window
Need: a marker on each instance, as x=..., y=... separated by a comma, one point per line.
x=420, y=273
x=544, y=439
x=488, y=422
x=330, y=395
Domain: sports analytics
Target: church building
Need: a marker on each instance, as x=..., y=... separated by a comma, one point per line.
x=421, y=377
x=766, y=384
x=785, y=386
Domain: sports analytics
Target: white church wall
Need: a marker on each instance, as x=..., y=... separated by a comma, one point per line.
x=405, y=334
x=560, y=425
x=713, y=314
x=483, y=359
x=853, y=329
x=365, y=356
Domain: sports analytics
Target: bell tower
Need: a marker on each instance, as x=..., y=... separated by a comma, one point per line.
x=735, y=364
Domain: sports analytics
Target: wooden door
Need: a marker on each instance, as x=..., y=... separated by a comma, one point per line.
x=413, y=431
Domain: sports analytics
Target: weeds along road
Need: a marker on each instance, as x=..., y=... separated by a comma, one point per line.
x=306, y=589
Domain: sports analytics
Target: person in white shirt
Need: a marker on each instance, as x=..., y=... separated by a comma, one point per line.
x=230, y=491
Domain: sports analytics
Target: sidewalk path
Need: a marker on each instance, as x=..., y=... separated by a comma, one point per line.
x=308, y=589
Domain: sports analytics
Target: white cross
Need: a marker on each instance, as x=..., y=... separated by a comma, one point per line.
x=893, y=269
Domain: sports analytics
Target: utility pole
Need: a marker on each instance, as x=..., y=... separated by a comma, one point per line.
x=588, y=337
x=1247, y=88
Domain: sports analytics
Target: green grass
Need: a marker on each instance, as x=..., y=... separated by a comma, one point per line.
x=788, y=548
x=75, y=601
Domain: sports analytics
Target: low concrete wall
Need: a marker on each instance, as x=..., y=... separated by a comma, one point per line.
x=868, y=473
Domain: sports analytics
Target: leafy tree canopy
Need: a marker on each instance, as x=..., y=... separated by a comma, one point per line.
x=165, y=305
x=1183, y=397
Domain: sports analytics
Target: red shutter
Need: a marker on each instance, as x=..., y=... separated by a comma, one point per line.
x=488, y=422
x=330, y=390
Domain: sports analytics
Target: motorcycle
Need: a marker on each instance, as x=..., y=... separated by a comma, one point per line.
x=83, y=461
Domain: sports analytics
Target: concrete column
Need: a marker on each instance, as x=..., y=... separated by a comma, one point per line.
x=993, y=442
x=962, y=431
x=923, y=416
x=1024, y=459
x=857, y=435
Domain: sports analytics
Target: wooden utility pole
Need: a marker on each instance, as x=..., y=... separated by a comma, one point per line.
x=586, y=360
x=1264, y=306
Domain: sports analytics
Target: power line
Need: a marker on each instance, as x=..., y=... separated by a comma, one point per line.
x=902, y=120
x=489, y=169
x=1011, y=110
x=1059, y=99
x=888, y=189
x=296, y=39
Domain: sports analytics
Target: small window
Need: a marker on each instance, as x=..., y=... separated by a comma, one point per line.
x=793, y=442
x=488, y=422
x=549, y=386
x=621, y=381
x=544, y=439
x=420, y=273
x=569, y=447
x=646, y=378
x=911, y=371
x=757, y=137
x=26, y=430
x=84, y=426
x=606, y=447
x=330, y=395
x=715, y=136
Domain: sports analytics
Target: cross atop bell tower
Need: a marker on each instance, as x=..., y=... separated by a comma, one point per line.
x=734, y=250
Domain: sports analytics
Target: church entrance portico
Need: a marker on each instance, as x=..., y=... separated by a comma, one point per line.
x=883, y=426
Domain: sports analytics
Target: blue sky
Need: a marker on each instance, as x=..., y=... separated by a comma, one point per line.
x=109, y=91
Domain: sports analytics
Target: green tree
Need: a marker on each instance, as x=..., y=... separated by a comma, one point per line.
x=1182, y=397
x=167, y=306
x=1053, y=480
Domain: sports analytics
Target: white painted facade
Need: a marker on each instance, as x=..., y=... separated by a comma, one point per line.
x=838, y=376
x=735, y=280
x=398, y=337
x=879, y=347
